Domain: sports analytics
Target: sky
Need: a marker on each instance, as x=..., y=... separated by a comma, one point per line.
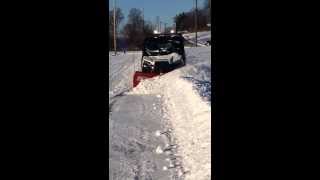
x=165, y=9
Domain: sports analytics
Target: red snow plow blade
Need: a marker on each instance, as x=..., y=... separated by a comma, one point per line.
x=138, y=76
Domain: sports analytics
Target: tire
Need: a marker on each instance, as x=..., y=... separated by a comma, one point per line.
x=183, y=63
x=141, y=63
x=144, y=70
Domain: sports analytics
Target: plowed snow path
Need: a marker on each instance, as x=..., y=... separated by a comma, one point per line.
x=177, y=102
x=137, y=149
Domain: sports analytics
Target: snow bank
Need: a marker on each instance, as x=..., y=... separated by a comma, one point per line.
x=203, y=37
x=186, y=93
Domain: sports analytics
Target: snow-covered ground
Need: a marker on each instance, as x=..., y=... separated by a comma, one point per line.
x=140, y=144
x=203, y=37
x=161, y=129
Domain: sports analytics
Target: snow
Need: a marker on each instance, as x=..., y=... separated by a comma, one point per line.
x=159, y=150
x=173, y=113
x=203, y=37
x=186, y=103
x=121, y=69
x=135, y=152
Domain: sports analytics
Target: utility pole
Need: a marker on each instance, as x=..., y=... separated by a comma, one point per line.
x=160, y=27
x=114, y=28
x=196, y=23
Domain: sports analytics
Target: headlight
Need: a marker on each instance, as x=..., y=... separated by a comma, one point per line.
x=148, y=59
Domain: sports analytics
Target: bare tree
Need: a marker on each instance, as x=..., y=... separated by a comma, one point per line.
x=133, y=30
x=186, y=20
x=207, y=9
x=119, y=17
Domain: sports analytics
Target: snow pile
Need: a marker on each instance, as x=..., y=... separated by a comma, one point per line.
x=186, y=96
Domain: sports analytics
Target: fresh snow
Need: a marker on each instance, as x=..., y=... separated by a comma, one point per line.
x=203, y=37
x=167, y=117
x=186, y=95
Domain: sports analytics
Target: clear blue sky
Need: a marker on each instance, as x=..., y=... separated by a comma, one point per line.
x=165, y=9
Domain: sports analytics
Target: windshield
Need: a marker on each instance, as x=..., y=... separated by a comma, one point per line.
x=158, y=45
x=161, y=46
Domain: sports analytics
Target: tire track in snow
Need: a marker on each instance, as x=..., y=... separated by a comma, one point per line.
x=135, y=146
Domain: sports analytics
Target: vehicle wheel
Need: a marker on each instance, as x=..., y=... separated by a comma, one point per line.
x=144, y=69
x=141, y=63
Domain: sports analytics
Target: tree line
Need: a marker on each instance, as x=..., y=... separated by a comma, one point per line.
x=185, y=21
x=132, y=34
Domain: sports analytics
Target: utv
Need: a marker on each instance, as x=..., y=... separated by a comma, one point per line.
x=162, y=53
